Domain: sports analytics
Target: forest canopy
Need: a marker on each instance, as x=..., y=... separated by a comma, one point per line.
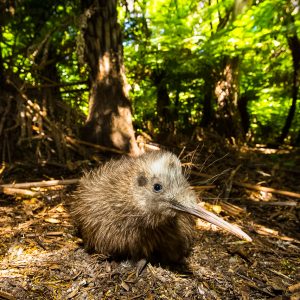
x=230, y=67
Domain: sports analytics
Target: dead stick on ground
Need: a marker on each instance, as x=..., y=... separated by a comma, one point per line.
x=280, y=203
x=253, y=186
x=6, y=295
x=102, y=148
x=14, y=191
x=40, y=183
x=267, y=189
x=229, y=182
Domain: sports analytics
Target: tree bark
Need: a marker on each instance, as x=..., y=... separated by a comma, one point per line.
x=109, y=120
x=297, y=141
x=227, y=92
x=294, y=45
x=244, y=114
x=163, y=103
x=2, y=22
x=228, y=116
x=208, y=112
x=51, y=96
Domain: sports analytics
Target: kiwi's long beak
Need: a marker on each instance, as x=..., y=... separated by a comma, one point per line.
x=202, y=213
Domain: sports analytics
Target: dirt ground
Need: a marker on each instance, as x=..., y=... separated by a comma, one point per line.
x=42, y=256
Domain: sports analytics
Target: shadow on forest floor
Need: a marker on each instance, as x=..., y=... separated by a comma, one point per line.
x=42, y=258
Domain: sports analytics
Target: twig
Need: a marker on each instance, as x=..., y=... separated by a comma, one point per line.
x=252, y=187
x=55, y=233
x=253, y=284
x=14, y=191
x=217, y=160
x=279, y=274
x=181, y=152
x=267, y=189
x=279, y=203
x=6, y=295
x=231, y=208
x=230, y=181
x=40, y=183
x=211, y=178
x=102, y=148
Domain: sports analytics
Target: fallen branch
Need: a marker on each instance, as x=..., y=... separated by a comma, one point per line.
x=25, y=185
x=279, y=203
x=55, y=233
x=14, y=191
x=6, y=295
x=229, y=182
x=253, y=186
x=77, y=142
x=231, y=209
x=267, y=189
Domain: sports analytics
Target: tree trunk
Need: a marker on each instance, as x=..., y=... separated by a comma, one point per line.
x=297, y=141
x=208, y=113
x=8, y=111
x=109, y=120
x=2, y=78
x=163, y=103
x=245, y=118
x=51, y=96
x=2, y=17
x=227, y=90
x=294, y=45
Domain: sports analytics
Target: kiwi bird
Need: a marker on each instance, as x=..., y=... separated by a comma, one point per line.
x=141, y=208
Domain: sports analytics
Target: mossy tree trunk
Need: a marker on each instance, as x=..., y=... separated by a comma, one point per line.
x=109, y=120
x=228, y=117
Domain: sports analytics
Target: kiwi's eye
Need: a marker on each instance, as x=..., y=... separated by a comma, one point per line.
x=157, y=187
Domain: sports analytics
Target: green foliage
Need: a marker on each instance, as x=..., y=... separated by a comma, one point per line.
x=41, y=34
x=189, y=41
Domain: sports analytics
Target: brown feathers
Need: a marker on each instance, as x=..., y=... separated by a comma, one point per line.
x=120, y=214
x=140, y=208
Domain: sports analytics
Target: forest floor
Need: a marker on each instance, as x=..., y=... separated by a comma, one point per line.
x=41, y=256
